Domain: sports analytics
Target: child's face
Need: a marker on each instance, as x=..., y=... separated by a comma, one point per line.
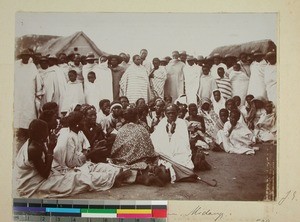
x=217, y=96
x=269, y=108
x=124, y=103
x=230, y=105
x=193, y=111
x=181, y=113
x=221, y=72
x=119, y=125
x=169, y=99
x=205, y=106
x=91, y=78
x=117, y=111
x=236, y=67
x=72, y=76
x=248, y=100
x=105, y=108
x=233, y=119
x=205, y=70
x=237, y=102
x=224, y=117
x=141, y=102
x=159, y=107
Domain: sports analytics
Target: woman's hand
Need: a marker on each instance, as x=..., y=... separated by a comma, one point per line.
x=52, y=140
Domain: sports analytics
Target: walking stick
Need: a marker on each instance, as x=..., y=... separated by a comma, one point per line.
x=208, y=183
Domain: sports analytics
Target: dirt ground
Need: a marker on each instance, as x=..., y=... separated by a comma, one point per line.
x=239, y=177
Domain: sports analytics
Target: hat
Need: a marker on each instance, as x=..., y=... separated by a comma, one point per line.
x=168, y=58
x=115, y=104
x=90, y=56
x=216, y=55
x=258, y=53
x=269, y=54
x=182, y=52
x=43, y=58
x=200, y=58
x=52, y=57
x=119, y=59
x=163, y=59
x=229, y=56
x=188, y=58
x=25, y=52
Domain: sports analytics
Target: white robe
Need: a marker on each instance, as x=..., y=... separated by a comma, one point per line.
x=134, y=83
x=27, y=84
x=92, y=94
x=174, y=85
x=239, y=84
x=257, y=86
x=74, y=94
x=104, y=81
x=271, y=83
x=147, y=64
x=207, y=86
x=177, y=146
x=238, y=141
x=192, y=82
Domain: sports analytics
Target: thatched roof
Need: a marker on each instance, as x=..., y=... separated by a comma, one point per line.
x=56, y=46
x=263, y=45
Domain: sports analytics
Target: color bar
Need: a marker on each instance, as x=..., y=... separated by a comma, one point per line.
x=159, y=213
x=98, y=215
x=134, y=211
x=30, y=209
x=63, y=210
x=134, y=215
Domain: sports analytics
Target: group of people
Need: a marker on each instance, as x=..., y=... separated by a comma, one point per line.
x=87, y=123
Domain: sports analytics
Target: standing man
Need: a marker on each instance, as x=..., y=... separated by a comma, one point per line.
x=245, y=66
x=191, y=74
x=28, y=87
x=183, y=56
x=77, y=66
x=90, y=59
x=157, y=79
x=257, y=86
x=174, y=86
x=217, y=64
x=117, y=70
x=145, y=63
x=124, y=62
x=135, y=81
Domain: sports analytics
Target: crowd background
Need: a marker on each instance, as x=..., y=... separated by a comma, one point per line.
x=117, y=110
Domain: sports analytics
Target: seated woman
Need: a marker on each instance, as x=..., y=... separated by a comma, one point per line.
x=196, y=129
x=133, y=149
x=245, y=109
x=95, y=135
x=35, y=176
x=210, y=117
x=156, y=116
x=223, y=118
x=142, y=112
x=265, y=128
x=256, y=111
x=236, y=137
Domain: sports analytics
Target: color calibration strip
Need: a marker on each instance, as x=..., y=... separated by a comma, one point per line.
x=46, y=210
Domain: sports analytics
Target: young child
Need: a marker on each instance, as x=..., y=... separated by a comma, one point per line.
x=156, y=116
x=168, y=100
x=91, y=90
x=74, y=93
x=223, y=118
x=182, y=111
x=245, y=109
x=209, y=115
x=140, y=101
x=104, y=108
x=236, y=137
x=239, y=82
x=265, y=128
x=256, y=110
x=218, y=100
x=207, y=84
x=223, y=84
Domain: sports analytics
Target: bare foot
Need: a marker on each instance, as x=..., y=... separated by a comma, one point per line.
x=121, y=177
